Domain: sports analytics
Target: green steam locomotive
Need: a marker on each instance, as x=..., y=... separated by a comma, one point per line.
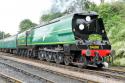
x=78, y=38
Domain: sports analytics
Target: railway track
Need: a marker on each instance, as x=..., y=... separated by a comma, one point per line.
x=14, y=73
x=8, y=79
x=36, y=74
x=102, y=75
x=39, y=73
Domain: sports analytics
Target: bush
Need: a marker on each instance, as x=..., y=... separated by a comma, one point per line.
x=113, y=15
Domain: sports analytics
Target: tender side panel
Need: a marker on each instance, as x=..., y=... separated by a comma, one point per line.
x=21, y=39
x=30, y=36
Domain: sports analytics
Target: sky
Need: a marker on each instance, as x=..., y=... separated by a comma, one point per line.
x=12, y=12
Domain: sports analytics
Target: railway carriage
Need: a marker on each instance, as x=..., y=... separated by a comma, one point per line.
x=8, y=44
x=78, y=38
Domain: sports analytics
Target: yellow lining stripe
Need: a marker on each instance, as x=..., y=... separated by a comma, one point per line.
x=50, y=43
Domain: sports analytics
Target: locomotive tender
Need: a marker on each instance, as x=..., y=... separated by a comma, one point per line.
x=77, y=38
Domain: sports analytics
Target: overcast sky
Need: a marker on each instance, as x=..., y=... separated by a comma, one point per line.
x=12, y=12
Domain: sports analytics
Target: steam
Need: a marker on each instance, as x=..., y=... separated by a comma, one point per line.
x=69, y=6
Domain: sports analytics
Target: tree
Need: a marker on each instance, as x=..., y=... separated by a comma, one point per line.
x=70, y=6
x=78, y=6
x=59, y=5
x=49, y=17
x=1, y=34
x=26, y=24
x=62, y=7
x=102, y=1
x=7, y=35
x=4, y=35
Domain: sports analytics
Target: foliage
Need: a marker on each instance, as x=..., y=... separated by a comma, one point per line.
x=78, y=6
x=62, y=7
x=26, y=24
x=69, y=6
x=114, y=15
x=4, y=35
x=51, y=16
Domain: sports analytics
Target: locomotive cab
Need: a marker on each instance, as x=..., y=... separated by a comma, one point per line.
x=91, y=39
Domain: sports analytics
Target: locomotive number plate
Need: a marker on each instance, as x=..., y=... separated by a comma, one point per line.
x=94, y=47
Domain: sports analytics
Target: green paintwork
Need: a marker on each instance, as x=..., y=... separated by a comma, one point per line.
x=21, y=38
x=59, y=32
x=56, y=33
x=9, y=42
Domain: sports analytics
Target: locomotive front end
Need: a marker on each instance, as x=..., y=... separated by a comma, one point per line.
x=92, y=40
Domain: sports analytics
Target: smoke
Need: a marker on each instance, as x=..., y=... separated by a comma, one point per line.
x=68, y=6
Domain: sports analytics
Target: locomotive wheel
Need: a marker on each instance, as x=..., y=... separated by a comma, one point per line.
x=22, y=52
x=35, y=54
x=68, y=60
x=26, y=51
x=16, y=52
x=59, y=58
x=41, y=55
x=13, y=51
x=19, y=52
x=48, y=56
x=30, y=54
x=55, y=56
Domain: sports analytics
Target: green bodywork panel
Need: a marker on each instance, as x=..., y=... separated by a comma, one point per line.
x=9, y=42
x=59, y=32
x=56, y=33
x=21, y=38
